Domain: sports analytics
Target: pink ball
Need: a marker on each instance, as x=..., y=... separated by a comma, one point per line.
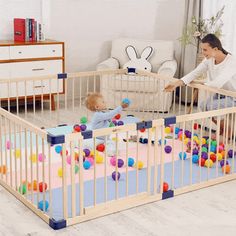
x=41, y=157
x=8, y=144
x=220, y=149
x=91, y=160
x=68, y=160
x=113, y=161
x=180, y=133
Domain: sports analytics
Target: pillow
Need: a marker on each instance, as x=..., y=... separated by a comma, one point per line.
x=138, y=63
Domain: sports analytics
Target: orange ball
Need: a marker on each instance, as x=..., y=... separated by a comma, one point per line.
x=226, y=169
x=35, y=185
x=3, y=169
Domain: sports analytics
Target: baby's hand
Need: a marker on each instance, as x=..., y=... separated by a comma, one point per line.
x=124, y=105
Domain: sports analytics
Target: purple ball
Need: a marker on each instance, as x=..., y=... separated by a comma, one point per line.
x=115, y=176
x=195, y=152
x=205, y=145
x=230, y=153
x=222, y=163
x=187, y=133
x=83, y=127
x=168, y=149
x=120, y=163
x=114, y=122
x=204, y=155
x=86, y=152
x=120, y=122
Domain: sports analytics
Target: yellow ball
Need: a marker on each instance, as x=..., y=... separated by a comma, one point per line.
x=60, y=172
x=99, y=159
x=186, y=140
x=140, y=165
x=17, y=153
x=219, y=156
x=203, y=141
x=33, y=158
x=167, y=130
x=208, y=163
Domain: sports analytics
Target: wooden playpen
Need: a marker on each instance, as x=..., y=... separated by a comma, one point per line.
x=42, y=159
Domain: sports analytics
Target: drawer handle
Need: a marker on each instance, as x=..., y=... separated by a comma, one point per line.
x=53, y=50
x=19, y=52
x=37, y=69
x=39, y=86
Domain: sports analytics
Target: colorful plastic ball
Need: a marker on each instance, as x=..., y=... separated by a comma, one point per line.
x=126, y=101
x=41, y=157
x=212, y=148
x=187, y=142
x=60, y=172
x=62, y=153
x=204, y=155
x=203, y=140
x=117, y=117
x=195, y=151
x=177, y=130
x=91, y=160
x=23, y=189
x=99, y=159
x=33, y=158
x=76, y=169
x=83, y=127
x=76, y=128
x=219, y=156
x=130, y=161
x=195, y=158
x=42, y=187
x=35, y=185
x=68, y=160
x=167, y=130
x=43, y=205
x=113, y=161
x=165, y=187
x=226, y=169
x=8, y=144
x=208, y=163
x=182, y=155
x=202, y=162
x=213, y=157
x=195, y=126
x=220, y=148
x=223, y=153
x=100, y=147
x=112, y=124
x=115, y=175
x=120, y=163
x=86, y=165
x=224, y=162
x=83, y=120
x=120, y=122
x=17, y=153
x=205, y=146
x=168, y=149
x=86, y=152
x=58, y=149
x=159, y=141
x=142, y=130
x=230, y=153
x=188, y=133
x=3, y=169
x=140, y=165
x=213, y=142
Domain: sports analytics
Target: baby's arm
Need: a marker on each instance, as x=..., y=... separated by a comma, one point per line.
x=108, y=115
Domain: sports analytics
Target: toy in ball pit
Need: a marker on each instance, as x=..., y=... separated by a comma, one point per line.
x=120, y=122
x=117, y=117
x=3, y=169
x=230, y=153
x=58, y=149
x=208, y=163
x=165, y=187
x=86, y=165
x=167, y=130
x=195, y=158
x=226, y=169
x=83, y=127
x=41, y=157
x=120, y=163
x=201, y=161
x=213, y=157
x=130, y=161
x=83, y=120
x=223, y=162
x=126, y=101
x=76, y=128
x=160, y=142
x=23, y=189
x=100, y=147
x=143, y=140
x=86, y=152
x=168, y=149
x=115, y=175
x=182, y=155
x=43, y=205
x=42, y=187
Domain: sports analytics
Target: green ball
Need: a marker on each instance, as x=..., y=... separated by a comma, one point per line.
x=76, y=169
x=23, y=189
x=83, y=120
x=213, y=142
x=112, y=124
x=204, y=149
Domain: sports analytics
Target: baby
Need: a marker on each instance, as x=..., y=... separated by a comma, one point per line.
x=101, y=119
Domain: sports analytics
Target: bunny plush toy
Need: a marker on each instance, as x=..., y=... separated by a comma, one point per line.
x=138, y=63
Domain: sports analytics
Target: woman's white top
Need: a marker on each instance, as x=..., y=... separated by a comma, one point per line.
x=222, y=75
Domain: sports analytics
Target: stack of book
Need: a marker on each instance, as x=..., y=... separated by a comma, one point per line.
x=27, y=30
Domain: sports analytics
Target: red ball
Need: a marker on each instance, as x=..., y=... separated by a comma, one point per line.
x=66, y=152
x=202, y=161
x=77, y=128
x=117, y=117
x=142, y=130
x=100, y=147
x=213, y=157
x=195, y=126
x=165, y=187
x=42, y=187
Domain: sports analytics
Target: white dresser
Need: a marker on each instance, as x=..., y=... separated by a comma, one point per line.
x=24, y=59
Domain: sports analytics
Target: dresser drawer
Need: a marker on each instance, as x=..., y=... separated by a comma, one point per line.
x=36, y=51
x=35, y=68
x=4, y=53
x=4, y=71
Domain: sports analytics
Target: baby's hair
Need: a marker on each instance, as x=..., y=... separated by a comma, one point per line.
x=91, y=100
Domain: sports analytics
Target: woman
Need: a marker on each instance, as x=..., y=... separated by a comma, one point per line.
x=221, y=68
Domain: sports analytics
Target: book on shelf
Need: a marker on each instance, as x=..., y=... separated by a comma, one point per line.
x=19, y=29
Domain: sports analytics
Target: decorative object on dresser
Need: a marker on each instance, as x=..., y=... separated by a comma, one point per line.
x=31, y=59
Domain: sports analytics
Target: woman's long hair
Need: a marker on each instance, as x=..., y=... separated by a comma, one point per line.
x=214, y=42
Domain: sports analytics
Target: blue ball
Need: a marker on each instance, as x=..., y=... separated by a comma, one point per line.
x=213, y=149
x=182, y=155
x=195, y=158
x=43, y=205
x=159, y=141
x=130, y=161
x=58, y=149
x=177, y=130
x=120, y=122
x=126, y=101
x=86, y=165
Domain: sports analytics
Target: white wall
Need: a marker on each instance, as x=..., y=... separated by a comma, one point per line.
x=88, y=26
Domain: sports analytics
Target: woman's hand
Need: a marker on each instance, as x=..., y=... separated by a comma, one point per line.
x=172, y=85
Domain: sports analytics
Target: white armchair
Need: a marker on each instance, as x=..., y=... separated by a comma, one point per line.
x=162, y=61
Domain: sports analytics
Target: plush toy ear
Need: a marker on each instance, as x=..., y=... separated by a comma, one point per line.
x=147, y=52
x=131, y=52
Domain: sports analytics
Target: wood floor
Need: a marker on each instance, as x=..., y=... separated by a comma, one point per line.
x=206, y=212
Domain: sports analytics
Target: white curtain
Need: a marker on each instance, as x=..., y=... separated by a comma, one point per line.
x=210, y=7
